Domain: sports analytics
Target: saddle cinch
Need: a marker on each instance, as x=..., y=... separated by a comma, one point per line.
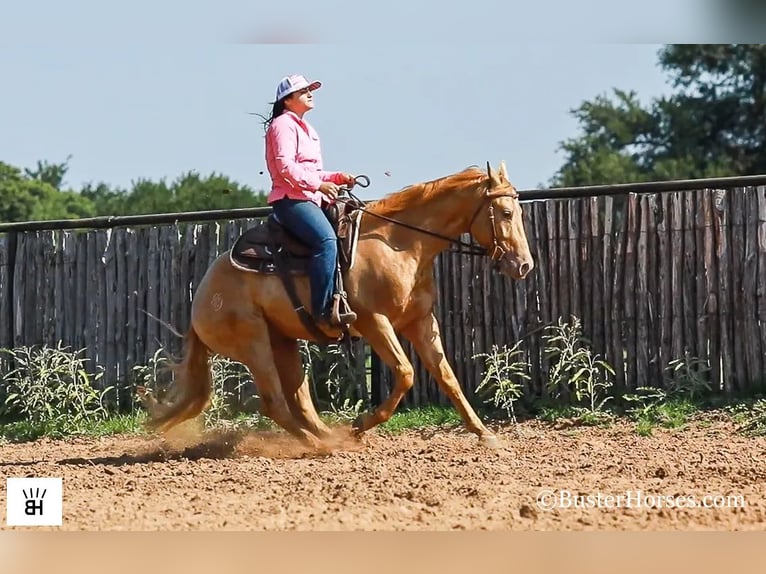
x=270, y=248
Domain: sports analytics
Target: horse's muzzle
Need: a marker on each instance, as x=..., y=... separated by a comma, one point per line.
x=516, y=267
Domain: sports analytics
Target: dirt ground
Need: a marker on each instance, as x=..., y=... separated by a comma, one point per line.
x=427, y=480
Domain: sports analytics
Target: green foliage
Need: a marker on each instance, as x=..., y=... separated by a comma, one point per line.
x=711, y=125
x=655, y=409
x=576, y=370
x=612, y=144
x=345, y=411
x=551, y=413
x=52, y=386
x=421, y=418
x=644, y=401
x=502, y=380
x=154, y=383
x=688, y=377
x=328, y=367
x=25, y=199
x=51, y=173
x=229, y=379
x=332, y=377
x=189, y=192
x=751, y=419
x=111, y=424
x=39, y=194
x=686, y=382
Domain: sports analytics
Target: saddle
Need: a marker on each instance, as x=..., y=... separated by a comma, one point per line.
x=270, y=248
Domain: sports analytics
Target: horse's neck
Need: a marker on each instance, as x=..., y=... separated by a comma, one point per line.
x=447, y=215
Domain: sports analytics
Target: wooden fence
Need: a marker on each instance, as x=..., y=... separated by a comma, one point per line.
x=652, y=277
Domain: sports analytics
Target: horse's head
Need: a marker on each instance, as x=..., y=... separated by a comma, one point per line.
x=498, y=225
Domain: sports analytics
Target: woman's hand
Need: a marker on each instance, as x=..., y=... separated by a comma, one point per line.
x=329, y=189
x=348, y=179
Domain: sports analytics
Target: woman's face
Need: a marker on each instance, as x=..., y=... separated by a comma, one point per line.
x=300, y=102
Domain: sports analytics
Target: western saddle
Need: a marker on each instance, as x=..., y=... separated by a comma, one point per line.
x=270, y=248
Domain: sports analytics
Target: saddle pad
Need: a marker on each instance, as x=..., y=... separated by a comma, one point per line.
x=253, y=250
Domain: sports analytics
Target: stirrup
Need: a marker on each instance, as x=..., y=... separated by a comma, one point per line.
x=338, y=316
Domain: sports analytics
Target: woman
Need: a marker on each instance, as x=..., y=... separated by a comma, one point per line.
x=300, y=185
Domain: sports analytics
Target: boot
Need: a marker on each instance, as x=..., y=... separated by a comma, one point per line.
x=334, y=322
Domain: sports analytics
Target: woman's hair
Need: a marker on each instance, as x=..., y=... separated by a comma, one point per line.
x=276, y=110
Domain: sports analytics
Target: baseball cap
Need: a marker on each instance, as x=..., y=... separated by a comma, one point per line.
x=293, y=83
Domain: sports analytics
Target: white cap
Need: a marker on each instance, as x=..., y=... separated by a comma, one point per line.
x=293, y=83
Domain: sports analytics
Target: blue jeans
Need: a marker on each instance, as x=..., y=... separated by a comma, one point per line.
x=307, y=221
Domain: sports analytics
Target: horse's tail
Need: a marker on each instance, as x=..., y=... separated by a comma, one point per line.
x=192, y=388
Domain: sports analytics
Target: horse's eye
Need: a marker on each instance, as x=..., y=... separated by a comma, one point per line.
x=507, y=212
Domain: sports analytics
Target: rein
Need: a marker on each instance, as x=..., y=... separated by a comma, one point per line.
x=470, y=247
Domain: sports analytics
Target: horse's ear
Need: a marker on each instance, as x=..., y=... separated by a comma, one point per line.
x=503, y=171
x=493, y=177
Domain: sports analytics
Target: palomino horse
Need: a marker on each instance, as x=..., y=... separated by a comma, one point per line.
x=248, y=317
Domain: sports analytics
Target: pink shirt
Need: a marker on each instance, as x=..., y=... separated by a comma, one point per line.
x=294, y=160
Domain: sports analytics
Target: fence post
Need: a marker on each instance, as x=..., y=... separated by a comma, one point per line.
x=7, y=312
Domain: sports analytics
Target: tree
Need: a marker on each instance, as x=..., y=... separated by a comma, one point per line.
x=51, y=173
x=37, y=194
x=23, y=198
x=189, y=192
x=713, y=125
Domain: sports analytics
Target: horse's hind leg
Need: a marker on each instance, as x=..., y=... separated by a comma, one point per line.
x=295, y=386
x=256, y=352
x=229, y=323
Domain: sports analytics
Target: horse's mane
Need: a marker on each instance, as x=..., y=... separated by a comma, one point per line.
x=418, y=193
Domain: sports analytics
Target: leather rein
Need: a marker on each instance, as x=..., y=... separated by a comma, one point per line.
x=495, y=253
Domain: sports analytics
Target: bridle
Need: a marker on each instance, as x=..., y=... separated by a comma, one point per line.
x=495, y=253
x=498, y=252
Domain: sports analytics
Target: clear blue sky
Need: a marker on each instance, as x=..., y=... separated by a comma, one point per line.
x=133, y=90
x=416, y=111
x=154, y=88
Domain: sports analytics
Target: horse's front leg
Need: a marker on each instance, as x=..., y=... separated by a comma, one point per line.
x=426, y=340
x=379, y=332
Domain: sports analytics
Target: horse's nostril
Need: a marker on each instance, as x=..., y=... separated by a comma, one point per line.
x=524, y=268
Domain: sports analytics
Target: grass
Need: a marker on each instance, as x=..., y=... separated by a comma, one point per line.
x=748, y=415
x=751, y=417
x=403, y=420
x=674, y=414
x=54, y=392
x=24, y=431
x=21, y=431
x=432, y=416
x=575, y=415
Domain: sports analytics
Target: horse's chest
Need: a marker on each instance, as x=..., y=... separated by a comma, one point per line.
x=393, y=285
x=415, y=295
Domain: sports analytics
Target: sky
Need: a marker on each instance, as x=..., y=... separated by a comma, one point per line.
x=153, y=90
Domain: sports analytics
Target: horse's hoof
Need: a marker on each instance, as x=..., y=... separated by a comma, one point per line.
x=357, y=427
x=357, y=435
x=489, y=441
x=312, y=442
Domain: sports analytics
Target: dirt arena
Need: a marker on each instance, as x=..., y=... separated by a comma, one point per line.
x=428, y=480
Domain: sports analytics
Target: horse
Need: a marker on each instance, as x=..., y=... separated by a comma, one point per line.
x=249, y=318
